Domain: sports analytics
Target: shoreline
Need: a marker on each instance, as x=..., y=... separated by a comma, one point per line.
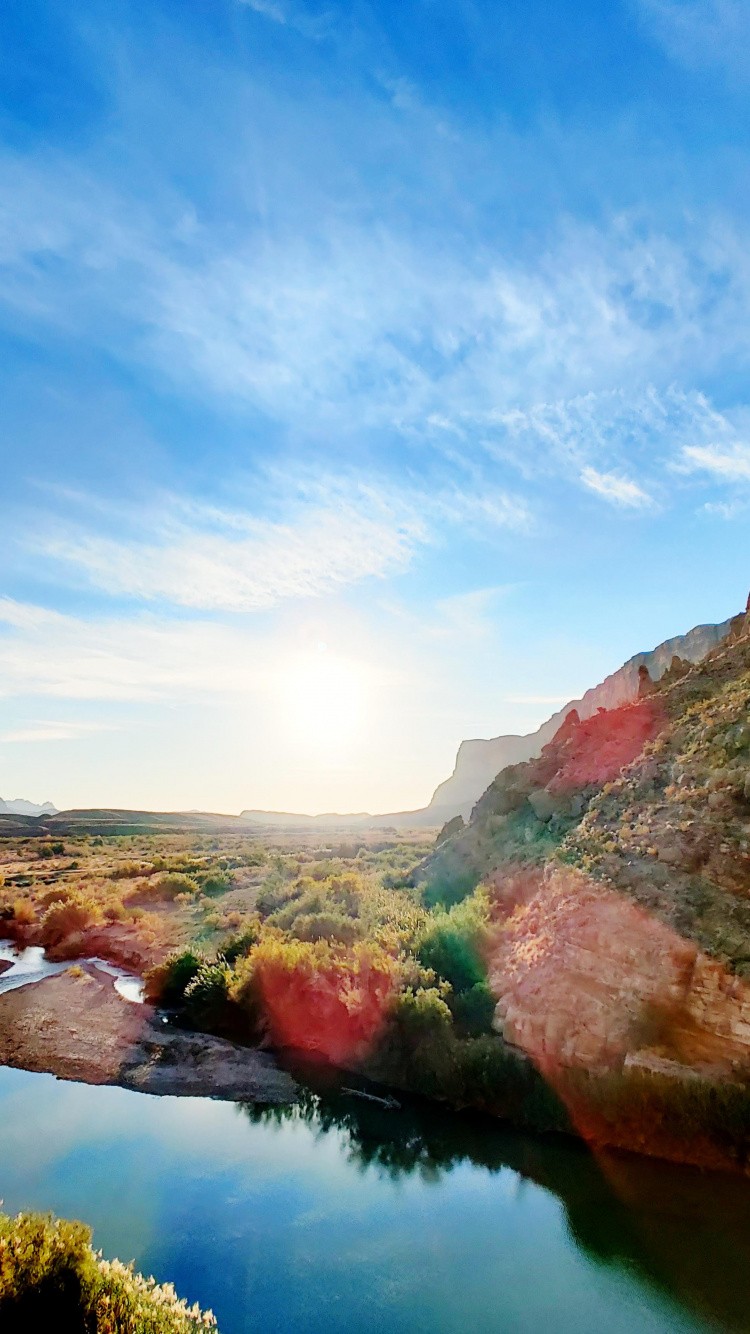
x=74, y=1025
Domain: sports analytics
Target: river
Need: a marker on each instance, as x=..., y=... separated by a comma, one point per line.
x=345, y=1217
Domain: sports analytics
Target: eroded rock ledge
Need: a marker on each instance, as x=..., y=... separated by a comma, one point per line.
x=76, y=1026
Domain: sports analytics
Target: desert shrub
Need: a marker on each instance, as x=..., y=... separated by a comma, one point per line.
x=166, y=983
x=317, y=996
x=63, y=920
x=253, y=856
x=416, y=1048
x=276, y=892
x=24, y=912
x=207, y=992
x=326, y=926
x=51, y=1279
x=128, y=870
x=115, y=911
x=215, y=883
x=58, y=894
x=170, y=885
x=240, y=945
x=421, y=1014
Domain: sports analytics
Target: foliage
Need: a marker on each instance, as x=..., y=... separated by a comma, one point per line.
x=63, y=920
x=215, y=882
x=51, y=1279
x=240, y=945
x=317, y=996
x=452, y=956
x=207, y=992
x=474, y=1010
x=24, y=912
x=448, y=883
x=166, y=982
x=170, y=885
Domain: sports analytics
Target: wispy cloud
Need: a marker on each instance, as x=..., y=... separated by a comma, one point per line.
x=619, y=490
x=249, y=564
x=267, y=8
x=123, y=658
x=727, y=463
x=334, y=533
x=348, y=329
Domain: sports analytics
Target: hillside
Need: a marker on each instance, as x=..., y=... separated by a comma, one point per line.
x=478, y=761
x=618, y=863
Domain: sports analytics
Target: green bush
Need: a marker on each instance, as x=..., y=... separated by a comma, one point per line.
x=453, y=956
x=168, y=886
x=166, y=982
x=240, y=945
x=474, y=1010
x=326, y=926
x=51, y=1281
x=215, y=883
x=207, y=992
x=448, y=884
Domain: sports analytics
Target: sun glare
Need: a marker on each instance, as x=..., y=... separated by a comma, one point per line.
x=323, y=698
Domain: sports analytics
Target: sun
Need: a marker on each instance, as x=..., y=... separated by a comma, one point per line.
x=323, y=699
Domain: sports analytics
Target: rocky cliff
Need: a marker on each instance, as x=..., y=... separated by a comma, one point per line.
x=618, y=863
x=478, y=761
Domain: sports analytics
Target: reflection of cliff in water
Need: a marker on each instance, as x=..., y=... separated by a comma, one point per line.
x=679, y=1229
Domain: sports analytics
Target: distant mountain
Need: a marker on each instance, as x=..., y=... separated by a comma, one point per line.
x=426, y=817
x=19, y=806
x=478, y=762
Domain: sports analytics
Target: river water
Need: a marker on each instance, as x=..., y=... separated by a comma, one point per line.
x=345, y=1217
x=31, y=965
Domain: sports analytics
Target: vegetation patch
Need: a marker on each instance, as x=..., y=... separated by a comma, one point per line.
x=52, y=1279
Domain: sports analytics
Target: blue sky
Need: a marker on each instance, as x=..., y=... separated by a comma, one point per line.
x=373, y=376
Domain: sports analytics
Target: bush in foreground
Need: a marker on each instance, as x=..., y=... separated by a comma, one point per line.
x=52, y=1280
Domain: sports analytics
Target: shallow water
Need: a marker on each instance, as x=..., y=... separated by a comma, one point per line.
x=348, y=1218
x=30, y=965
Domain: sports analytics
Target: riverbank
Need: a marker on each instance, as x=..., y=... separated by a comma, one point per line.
x=76, y=1026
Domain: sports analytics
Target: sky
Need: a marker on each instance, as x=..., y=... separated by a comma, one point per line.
x=373, y=376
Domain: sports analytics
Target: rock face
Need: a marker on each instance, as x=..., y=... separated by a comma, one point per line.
x=478, y=762
x=584, y=978
x=76, y=1026
x=644, y=1038
x=619, y=871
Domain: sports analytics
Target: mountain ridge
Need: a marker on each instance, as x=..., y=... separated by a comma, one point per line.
x=20, y=806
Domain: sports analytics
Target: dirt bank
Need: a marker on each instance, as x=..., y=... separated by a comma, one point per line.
x=76, y=1026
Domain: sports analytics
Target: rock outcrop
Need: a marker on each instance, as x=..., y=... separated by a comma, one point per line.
x=478, y=761
x=76, y=1026
x=618, y=863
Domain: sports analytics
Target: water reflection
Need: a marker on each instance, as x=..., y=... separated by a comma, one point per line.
x=31, y=964
x=343, y=1216
x=683, y=1231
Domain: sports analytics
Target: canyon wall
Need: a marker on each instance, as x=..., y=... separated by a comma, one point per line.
x=478, y=761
